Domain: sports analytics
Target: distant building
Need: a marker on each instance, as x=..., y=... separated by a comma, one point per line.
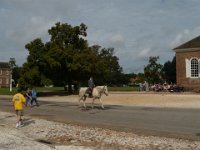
x=188, y=63
x=5, y=74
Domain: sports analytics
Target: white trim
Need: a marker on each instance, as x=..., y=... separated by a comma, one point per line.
x=188, y=68
x=187, y=49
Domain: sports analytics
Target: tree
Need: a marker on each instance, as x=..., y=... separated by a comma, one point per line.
x=12, y=62
x=67, y=58
x=66, y=44
x=34, y=67
x=16, y=74
x=169, y=71
x=107, y=67
x=113, y=68
x=153, y=70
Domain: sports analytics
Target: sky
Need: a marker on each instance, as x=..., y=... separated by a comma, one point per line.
x=136, y=29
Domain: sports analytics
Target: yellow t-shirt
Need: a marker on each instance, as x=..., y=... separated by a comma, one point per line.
x=18, y=100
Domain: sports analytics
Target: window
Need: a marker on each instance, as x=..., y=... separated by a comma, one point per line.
x=7, y=72
x=0, y=80
x=0, y=72
x=7, y=80
x=194, y=67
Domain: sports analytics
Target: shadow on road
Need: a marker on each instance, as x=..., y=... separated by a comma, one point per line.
x=107, y=107
x=28, y=121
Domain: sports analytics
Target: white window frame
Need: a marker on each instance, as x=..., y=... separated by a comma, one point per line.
x=194, y=67
x=188, y=66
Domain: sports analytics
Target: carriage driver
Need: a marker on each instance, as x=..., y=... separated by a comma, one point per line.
x=91, y=86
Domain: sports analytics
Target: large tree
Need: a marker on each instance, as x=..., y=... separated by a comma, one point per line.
x=109, y=67
x=68, y=58
x=169, y=71
x=65, y=44
x=34, y=67
x=153, y=70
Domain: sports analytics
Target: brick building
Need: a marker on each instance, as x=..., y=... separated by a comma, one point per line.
x=188, y=63
x=5, y=74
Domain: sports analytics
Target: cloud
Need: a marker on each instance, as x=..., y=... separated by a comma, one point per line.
x=184, y=36
x=136, y=29
x=144, y=53
x=116, y=41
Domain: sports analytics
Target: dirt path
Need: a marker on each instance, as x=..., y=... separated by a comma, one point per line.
x=175, y=100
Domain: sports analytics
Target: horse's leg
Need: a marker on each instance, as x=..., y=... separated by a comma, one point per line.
x=93, y=102
x=79, y=100
x=101, y=103
x=84, y=102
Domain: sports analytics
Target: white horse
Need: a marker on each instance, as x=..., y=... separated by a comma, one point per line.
x=97, y=92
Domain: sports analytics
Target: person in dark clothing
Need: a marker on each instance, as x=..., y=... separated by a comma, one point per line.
x=28, y=97
x=34, y=97
x=90, y=86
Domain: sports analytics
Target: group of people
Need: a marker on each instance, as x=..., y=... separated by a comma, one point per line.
x=20, y=99
x=31, y=97
x=144, y=86
x=27, y=99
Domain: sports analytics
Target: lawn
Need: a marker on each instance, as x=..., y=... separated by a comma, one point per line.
x=123, y=89
x=6, y=91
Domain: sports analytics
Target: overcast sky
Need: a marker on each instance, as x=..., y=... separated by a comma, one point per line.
x=136, y=29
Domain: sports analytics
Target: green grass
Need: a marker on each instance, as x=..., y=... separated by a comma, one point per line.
x=50, y=88
x=6, y=91
x=123, y=89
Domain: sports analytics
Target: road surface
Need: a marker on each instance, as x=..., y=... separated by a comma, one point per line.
x=169, y=122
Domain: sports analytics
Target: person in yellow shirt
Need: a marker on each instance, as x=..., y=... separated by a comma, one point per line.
x=19, y=101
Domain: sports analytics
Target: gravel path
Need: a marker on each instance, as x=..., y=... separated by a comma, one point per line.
x=38, y=134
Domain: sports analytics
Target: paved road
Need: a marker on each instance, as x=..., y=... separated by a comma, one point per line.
x=170, y=122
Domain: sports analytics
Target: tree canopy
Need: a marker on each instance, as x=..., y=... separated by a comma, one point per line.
x=153, y=71
x=169, y=71
x=67, y=58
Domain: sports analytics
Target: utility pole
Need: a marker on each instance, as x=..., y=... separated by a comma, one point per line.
x=10, y=79
x=11, y=63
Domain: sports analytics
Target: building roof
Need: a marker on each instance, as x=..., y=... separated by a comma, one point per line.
x=4, y=65
x=191, y=45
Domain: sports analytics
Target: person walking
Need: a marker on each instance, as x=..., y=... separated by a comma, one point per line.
x=28, y=97
x=19, y=101
x=34, y=97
